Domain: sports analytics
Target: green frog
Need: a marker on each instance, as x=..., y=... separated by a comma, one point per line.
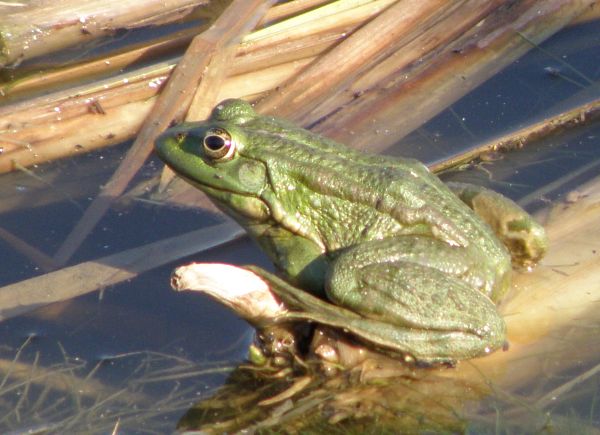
x=378, y=247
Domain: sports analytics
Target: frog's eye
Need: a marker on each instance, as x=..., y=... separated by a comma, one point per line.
x=218, y=144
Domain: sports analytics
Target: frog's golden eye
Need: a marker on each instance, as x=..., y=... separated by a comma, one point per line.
x=218, y=144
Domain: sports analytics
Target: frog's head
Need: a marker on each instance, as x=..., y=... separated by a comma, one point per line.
x=272, y=177
x=209, y=155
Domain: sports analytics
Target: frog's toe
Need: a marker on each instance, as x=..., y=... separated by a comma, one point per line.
x=526, y=240
x=519, y=232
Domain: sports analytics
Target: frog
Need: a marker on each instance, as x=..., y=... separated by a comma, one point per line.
x=375, y=246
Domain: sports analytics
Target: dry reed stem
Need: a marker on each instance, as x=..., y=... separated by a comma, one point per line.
x=279, y=43
x=574, y=117
x=371, y=116
x=64, y=123
x=590, y=14
x=555, y=301
x=406, y=57
x=32, y=133
x=290, y=8
x=172, y=103
x=29, y=140
x=43, y=28
x=32, y=83
x=70, y=282
x=336, y=70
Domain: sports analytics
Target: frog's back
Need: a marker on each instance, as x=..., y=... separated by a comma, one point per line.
x=411, y=186
x=353, y=192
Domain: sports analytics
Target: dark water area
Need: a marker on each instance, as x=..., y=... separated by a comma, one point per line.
x=140, y=340
x=560, y=74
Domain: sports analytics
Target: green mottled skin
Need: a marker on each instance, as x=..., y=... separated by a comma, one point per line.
x=409, y=264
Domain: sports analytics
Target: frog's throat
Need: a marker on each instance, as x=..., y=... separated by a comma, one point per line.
x=276, y=211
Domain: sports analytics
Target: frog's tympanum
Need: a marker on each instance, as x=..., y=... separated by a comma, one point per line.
x=409, y=266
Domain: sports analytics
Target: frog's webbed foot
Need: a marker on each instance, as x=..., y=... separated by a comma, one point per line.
x=430, y=310
x=520, y=233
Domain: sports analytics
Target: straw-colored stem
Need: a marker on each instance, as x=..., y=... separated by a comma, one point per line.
x=173, y=102
x=382, y=113
x=398, y=25
x=30, y=83
x=574, y=117
x=290, y=8
x=45, y=27
x=112, y=110
x=73, y=281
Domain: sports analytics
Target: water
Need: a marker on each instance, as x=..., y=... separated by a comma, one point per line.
x=139, y=354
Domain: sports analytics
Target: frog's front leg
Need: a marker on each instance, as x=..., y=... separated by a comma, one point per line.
x=426, y=289
x=521, y=234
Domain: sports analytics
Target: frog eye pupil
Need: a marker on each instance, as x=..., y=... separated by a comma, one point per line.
x=214, y=143
x=218, y=144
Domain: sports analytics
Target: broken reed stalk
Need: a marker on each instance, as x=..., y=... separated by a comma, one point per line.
x=73, y=281
x=290, y=8
x=573, y=117
x=306, y=35
x=302, y=98
x=27, y=31
x=267, y=58
x=32, y=78
x=112, y=110
x=380, y=113
x=174, y=100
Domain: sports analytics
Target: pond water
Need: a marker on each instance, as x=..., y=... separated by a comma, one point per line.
x=140, y=354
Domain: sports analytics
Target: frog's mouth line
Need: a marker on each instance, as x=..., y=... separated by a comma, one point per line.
x=205, y=187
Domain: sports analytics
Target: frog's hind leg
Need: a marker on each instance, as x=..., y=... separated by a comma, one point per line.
x=429, y=312
x=523, y=236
